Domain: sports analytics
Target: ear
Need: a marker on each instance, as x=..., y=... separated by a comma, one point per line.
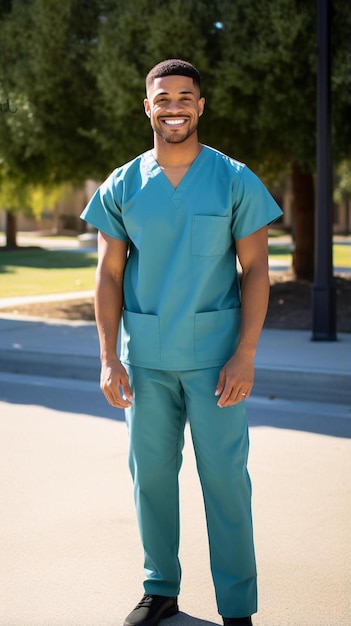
x=147, y=108
x=201, y=106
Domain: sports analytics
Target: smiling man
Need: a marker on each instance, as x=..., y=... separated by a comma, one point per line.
x=168, y=98
x=171, y=224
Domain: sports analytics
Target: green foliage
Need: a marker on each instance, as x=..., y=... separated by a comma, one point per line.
x=266, y=79
x=42, y=199
x=32, y=199
x=342, y=189
x=45, y=45
x=13, y=197
x=74, y=70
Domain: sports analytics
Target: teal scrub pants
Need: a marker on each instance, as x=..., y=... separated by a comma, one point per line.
x=163, y=401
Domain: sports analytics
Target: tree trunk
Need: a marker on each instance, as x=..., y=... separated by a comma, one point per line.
x=11, y=230
x=303, y=200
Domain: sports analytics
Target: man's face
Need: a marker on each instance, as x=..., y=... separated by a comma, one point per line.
x=173, y=105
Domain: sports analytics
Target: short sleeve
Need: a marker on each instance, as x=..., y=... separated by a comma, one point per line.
x=104, y=210
x=253, y=205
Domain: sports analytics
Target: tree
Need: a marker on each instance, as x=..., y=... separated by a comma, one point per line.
x=75, y=72
x=342, y=190
x=12, y=199
x=47, y=97
x=30, y=199
x=44, y=47
x=266, y=93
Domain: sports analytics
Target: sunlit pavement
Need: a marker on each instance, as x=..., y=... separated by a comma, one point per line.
x=70, y=552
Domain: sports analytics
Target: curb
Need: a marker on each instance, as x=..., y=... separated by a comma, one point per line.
x=71, y=366
x=305, y=385
x=283, y=383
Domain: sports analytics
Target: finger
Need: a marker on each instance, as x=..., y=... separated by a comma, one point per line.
x=244, y=395
x=113, y=395
x=236, y=397
x=220, y=383
x=116, y=400
x=122, y=401
x=227, y=391
x=127, y=391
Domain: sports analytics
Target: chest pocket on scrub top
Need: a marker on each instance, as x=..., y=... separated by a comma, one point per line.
x=210, y=235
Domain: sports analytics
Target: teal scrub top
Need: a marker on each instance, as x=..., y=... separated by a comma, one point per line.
x=181, y=286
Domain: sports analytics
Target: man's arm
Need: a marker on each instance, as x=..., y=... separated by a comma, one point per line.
x=236, y=377
x=112, y=258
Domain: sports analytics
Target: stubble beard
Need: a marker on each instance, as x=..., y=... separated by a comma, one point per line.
x=175, y=137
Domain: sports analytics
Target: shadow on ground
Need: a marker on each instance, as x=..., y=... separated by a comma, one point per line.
x=85, y=398
x=184, y=619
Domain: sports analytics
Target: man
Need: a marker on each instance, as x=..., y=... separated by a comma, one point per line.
x=171, y=223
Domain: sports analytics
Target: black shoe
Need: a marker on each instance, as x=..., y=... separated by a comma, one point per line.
x=151, y=609
x=237, y=621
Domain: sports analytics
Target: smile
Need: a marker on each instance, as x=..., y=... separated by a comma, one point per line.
x=174, y=122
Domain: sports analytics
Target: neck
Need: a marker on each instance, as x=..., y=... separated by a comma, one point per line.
x=176, y=154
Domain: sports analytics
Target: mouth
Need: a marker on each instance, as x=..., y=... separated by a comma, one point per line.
x=174, y=122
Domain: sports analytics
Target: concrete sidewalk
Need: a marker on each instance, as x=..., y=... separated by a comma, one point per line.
x=288, y=364
x=70, y=550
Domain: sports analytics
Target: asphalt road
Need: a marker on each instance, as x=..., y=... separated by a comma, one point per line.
x=70, y=554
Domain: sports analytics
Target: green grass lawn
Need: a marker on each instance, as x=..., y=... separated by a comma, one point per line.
x=341, y=254
x=35, y=271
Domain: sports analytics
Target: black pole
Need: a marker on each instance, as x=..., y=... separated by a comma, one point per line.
x=324, y=291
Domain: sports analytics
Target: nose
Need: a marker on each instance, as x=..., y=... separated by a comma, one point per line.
x=173, y=106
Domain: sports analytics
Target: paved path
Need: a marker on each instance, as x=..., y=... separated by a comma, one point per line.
x=70, y=553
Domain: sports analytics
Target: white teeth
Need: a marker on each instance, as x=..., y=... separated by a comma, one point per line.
x=174, y=122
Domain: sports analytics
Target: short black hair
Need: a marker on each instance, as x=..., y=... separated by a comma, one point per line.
x=173, y=67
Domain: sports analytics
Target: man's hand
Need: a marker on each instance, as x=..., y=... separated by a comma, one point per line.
x=237, y=376
x=235, y=380
x=114, y=378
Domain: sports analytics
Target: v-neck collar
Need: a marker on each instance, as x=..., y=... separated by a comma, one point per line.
x=187, y=179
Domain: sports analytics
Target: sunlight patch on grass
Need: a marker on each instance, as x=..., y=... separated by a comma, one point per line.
x=341, y=254
x=36, y=272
